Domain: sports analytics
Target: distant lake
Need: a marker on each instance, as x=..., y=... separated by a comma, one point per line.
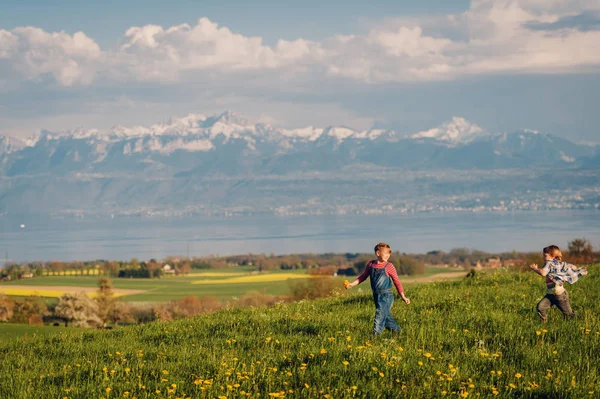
x=29, y=239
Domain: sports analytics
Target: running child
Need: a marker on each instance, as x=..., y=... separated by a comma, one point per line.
x=382, y=273
x=557, y=273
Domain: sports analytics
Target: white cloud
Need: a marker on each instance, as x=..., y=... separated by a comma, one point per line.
x=33, y=53
x=490, y=37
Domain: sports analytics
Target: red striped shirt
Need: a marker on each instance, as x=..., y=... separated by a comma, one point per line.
x=390, y=270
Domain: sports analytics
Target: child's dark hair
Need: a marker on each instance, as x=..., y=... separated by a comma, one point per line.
x=382, y=245
x=553, y=251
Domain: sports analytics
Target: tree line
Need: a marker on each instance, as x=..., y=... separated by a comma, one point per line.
x=579, y=250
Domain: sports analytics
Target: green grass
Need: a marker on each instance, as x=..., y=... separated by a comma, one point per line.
x=464, y=338
x=15, y=331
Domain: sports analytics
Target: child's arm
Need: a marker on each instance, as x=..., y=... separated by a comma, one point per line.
x=359, y=279
x=542, y=272
x=580, y=270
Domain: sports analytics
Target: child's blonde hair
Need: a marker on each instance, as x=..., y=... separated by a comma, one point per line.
x=382, y=245
x=553, y=251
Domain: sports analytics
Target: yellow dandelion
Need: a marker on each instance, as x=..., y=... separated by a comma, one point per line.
x=107, y=390
x=513, y=386
x=420, y=363
x=323, y=351
x=538, y=332
x=306, y=386
x=465, y=394
x=518, y=375
x=427, y=354
x=345, y=363
x=381, y=374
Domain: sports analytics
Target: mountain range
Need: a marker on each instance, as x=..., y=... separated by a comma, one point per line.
x=224, y=164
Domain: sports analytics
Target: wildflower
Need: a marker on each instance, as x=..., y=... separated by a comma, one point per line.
x=427, y=354
x=345, y=363
x=513, y=386
x=323, y=351
x=306, y=386
x=538, y=332
x=420, y=363
x=518, y=375
x=107, y=389
x=346, y=283
x=381, y=374
x=465, y=394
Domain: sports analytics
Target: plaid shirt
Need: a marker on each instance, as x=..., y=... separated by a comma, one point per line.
x=559, y=273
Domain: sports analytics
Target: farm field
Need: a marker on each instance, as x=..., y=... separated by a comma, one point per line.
x=224, y=285
x=469, y=337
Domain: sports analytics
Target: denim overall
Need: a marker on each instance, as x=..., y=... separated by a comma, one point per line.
x=381, y=284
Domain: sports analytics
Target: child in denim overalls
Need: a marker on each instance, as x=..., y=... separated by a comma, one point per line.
x=382, y=273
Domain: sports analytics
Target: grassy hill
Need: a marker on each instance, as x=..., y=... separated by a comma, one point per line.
x=476, y=337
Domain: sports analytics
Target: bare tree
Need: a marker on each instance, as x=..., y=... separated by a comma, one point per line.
x=581, y=250
x=106, y=300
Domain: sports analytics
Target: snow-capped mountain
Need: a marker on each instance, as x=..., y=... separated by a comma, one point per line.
x=454, y=132
x=181, y=160
x=11, y=144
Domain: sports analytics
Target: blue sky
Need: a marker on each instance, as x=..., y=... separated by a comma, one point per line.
x=404, y=65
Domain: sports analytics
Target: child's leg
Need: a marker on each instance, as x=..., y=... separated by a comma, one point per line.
x=562, y=303
x=380, y=314
x=543, y=306
x=390, y=323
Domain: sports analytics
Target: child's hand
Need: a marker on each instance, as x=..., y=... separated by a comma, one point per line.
x=534, y=266
x=347, y=284
x=406, y=300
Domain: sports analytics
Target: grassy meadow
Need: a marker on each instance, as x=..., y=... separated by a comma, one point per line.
x=473, y=337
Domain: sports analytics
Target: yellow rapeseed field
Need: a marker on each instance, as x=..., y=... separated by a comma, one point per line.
x=215, y=274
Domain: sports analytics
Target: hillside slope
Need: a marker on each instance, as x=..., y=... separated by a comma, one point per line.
x=479, y=335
